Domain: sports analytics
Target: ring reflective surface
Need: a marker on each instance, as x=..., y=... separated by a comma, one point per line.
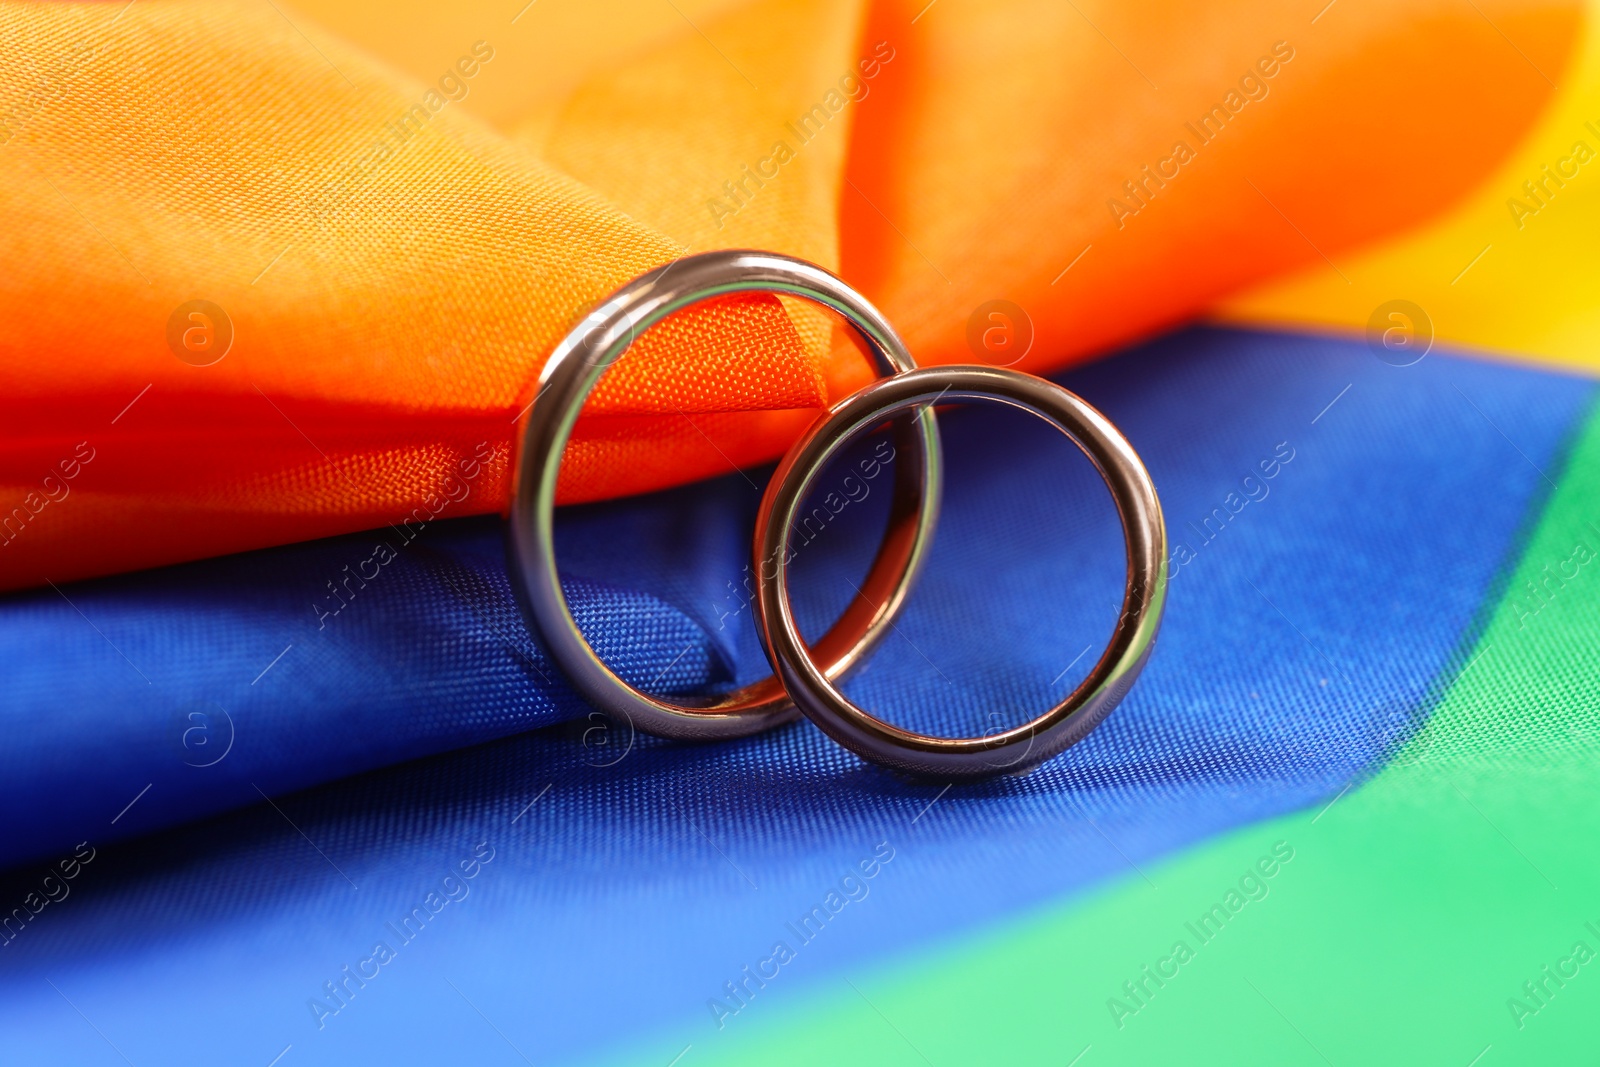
x=1024, y=747
x=566, y=382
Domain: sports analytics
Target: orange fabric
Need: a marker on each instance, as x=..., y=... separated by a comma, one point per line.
x=401, y=208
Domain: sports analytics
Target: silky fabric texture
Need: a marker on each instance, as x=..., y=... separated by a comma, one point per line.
x=215, y=683
x=1308, y=635
x=1509, y=269
x=1469, y=827
x=393, y=264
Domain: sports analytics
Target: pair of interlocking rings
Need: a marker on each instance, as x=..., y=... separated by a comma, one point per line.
x=806, y=677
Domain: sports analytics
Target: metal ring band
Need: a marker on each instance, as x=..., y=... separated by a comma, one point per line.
x=566, y=381
x=1021, y=748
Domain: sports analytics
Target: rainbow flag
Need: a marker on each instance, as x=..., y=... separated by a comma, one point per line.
x=290, y=782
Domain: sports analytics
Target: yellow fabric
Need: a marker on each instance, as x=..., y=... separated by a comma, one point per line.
x=1506, y=270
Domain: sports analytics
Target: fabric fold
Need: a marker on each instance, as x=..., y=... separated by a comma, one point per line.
x=1305, y=628
x=380, y=268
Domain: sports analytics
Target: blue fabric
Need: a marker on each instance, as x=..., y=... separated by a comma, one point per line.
x=1310, y=626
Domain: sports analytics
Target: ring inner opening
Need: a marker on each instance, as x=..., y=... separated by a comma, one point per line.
x=1008, y=615
x=687, y=582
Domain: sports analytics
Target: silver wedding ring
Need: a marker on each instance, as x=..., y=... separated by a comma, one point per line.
x=568, y=378
x=806, y=676
x=1024, y=747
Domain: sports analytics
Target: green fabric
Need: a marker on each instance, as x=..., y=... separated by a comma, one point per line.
x=1401, y=931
